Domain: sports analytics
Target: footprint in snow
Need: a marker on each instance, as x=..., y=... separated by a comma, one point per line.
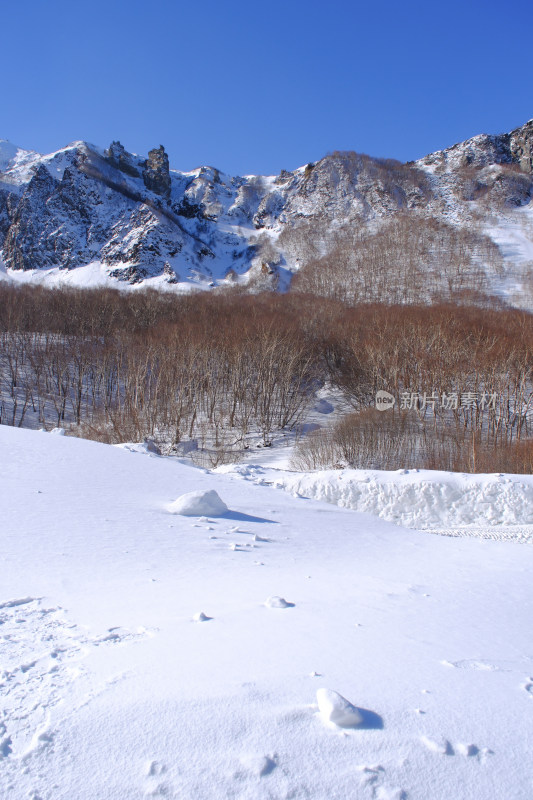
x=528, y=687
x=471, y=663
x=467, y=750
x=278, y=602
x=118, y=635
x=390, y=793
x=259, y=766
x=373, y=778
x=155, y=786
x=44, y=658
x=155, y=768
x=441, y=746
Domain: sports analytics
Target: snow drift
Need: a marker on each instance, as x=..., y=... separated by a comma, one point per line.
x=422, y=499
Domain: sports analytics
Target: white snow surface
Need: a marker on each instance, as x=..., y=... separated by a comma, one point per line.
x=112, y=691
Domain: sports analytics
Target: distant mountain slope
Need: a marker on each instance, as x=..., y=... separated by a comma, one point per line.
x=458, y=220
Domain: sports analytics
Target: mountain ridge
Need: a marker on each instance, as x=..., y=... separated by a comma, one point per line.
x=132, y=221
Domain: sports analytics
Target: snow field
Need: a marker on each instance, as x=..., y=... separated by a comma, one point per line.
x=110, y=689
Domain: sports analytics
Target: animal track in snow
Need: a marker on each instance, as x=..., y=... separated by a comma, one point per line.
x=119, y=635
x=441, y=746
x=155, y=784
x=38, y=647
x=528, y=687
x=41, y=654
x=278, y=602
x=155, y=768
x=472, y=663
x=467, y=750
x=258, y=765
x=373, y=779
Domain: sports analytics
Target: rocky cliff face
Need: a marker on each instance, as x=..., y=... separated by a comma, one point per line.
x=521, y=146
x=156, y=174
x=135, y=220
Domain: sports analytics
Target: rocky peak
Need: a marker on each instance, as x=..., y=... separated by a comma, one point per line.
x=484, y=150
x=156, y=173
x=521, y=146
x=118, y=157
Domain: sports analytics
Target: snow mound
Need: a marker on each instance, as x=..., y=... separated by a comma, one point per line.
x=337, y=709
x=201, y=617
x=197, y=504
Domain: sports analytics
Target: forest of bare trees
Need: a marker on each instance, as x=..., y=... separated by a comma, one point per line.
x=408, y=260
x=223, y=369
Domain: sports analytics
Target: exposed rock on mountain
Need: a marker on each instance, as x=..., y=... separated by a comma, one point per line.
x=459, y=220
x=156, y=175
x=119, y=158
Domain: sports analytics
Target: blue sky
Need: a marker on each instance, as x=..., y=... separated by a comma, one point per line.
x=256, y=87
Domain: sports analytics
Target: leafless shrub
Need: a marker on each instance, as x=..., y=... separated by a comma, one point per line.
x=382, y=440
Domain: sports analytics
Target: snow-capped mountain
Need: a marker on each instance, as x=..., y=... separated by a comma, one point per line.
x=86, y=215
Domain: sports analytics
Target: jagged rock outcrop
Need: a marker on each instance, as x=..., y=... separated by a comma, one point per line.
x=118, y=157
x=5, y=217
x=521, y=146
x=49, y=226
x=156, y=174
x=515, y=147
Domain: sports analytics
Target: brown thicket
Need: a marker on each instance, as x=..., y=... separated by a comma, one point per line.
x=408, y=259
x=215, y=367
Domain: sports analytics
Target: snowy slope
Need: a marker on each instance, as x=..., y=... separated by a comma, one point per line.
x=111, y=690
x=16, y=162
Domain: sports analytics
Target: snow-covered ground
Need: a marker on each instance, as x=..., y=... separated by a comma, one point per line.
x=146, y=654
